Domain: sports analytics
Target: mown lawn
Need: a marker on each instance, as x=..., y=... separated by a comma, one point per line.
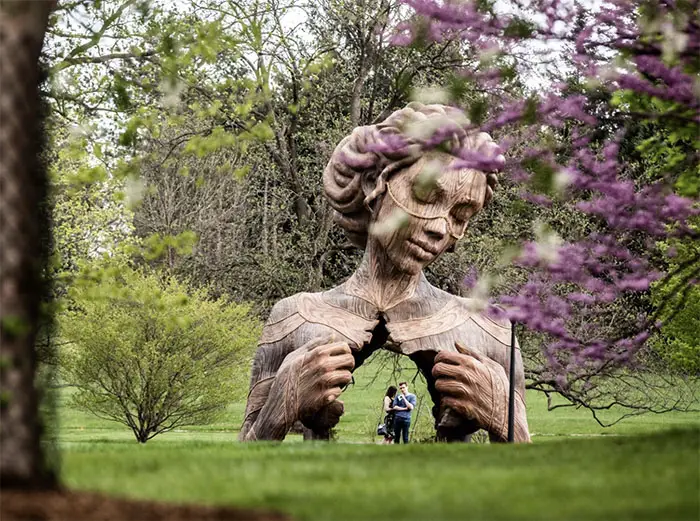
x=644, y=468
x=649, y=477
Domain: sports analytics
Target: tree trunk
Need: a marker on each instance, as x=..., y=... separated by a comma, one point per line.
x=22, y=225
x=266, y=210
x=357, y=90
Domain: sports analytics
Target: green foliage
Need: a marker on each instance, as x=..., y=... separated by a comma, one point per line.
x=87, y=218
x=149, y=352
x=519, y=28
x=677, y=298
x=121, y=94
x=530, y=114
x=542, y=174
x=156, y=245
x=661, y=145
x=478, y=110
x=665, y=141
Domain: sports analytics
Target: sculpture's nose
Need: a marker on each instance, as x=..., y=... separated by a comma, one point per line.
x=436, y=229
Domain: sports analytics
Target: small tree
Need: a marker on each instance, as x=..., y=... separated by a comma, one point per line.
x=152, y=353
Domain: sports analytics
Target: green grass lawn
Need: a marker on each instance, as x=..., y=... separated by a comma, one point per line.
x=650, y=477
x=643, y=468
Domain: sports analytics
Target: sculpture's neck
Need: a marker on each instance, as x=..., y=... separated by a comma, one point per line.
x=377, y=280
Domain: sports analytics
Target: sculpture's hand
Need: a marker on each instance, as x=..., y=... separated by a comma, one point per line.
x=475, y=387
x=326, y=370
x=310, y=380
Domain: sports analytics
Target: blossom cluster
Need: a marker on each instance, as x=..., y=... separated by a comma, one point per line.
x=649, y=50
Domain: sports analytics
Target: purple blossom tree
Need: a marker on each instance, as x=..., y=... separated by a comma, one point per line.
x=640, y=59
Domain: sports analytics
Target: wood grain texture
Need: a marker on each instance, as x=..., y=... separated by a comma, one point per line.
x=388, y=303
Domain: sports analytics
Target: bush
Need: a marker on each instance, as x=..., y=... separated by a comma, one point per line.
x=152, y=353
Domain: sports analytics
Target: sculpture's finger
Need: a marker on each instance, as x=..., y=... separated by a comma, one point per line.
x=332, y=394
x=470, y=352
x=450, y=387
x=344, y=362
x=338, y=378
x=459, y=406
x=337, y=348
x=443, y=370
x=448, y=357
x=457, y=359
x=336, y=408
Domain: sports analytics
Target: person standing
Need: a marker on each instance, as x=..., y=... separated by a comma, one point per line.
x=389, y=414
x=403, y=406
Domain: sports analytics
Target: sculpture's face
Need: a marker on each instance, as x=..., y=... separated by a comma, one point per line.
x=438, y=207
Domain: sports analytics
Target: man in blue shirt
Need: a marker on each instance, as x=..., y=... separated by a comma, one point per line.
x=403, y=405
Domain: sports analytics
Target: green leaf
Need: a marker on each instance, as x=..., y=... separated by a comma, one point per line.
x=121, y=95
x=542, y=179
x=519, y=28
x=530, y=114
x=478, y=109
x=241, y=172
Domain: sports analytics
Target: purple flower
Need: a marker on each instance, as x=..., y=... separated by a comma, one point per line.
x=571, y=280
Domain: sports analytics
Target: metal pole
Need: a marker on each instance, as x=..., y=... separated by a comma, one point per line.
x=415, y=422
x=511, y=390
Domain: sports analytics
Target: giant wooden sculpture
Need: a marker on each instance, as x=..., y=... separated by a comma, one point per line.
x=405, y=206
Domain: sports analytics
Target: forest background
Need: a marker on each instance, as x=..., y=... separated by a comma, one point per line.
x=186, y=146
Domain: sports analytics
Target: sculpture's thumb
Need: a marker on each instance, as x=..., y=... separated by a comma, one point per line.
x=469, y=352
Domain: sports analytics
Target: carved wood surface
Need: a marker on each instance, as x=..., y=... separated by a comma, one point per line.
x=302, y=362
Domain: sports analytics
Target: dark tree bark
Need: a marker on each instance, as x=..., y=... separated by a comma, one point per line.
x=23, y=224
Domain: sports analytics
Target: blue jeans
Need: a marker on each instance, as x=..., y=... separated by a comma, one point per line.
x=401, y=426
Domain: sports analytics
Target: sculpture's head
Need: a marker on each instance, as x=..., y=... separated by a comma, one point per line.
x=384, y=179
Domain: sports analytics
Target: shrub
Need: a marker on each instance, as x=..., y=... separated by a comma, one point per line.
x=152, y=353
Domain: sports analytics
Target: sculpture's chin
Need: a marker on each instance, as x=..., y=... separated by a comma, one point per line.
x=408, y=265
x=409, y=257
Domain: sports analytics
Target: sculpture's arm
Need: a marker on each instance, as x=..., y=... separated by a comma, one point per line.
x=267, y=361
x=476, y=387
x=306, y=385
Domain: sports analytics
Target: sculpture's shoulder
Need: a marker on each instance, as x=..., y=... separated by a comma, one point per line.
x=283, y=309
x=491, y=321
x=298, y=305
x=284, y=319
x=328, y=311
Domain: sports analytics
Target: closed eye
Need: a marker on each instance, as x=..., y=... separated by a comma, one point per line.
x=427, y=194
x=462, y=212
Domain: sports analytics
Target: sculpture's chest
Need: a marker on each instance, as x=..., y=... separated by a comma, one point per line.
x=407, y=330
x=452, y=323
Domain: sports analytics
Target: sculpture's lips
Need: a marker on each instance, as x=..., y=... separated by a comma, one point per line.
x=423, y=250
